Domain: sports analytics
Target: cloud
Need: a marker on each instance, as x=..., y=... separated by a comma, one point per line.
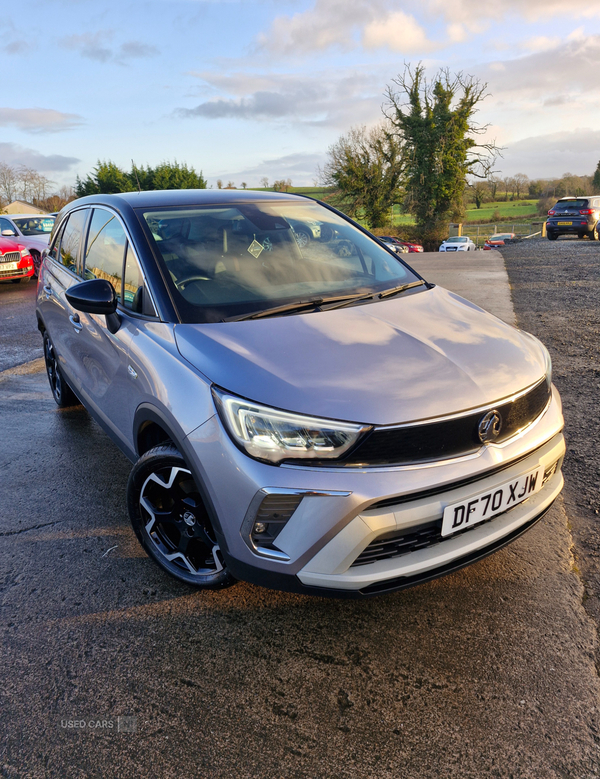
x=398, y=32
x=38, y=120
x=300, y=168
x=97, y=46
x=464, y=11
x=341, y=100
x=14, y=154
x=16, y=47
x=330, y=23
x=570, y=68
x=540, y=43
x=548, y=156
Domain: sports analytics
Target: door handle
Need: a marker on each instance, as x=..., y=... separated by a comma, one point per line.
x=48, y=290
x=74, y=320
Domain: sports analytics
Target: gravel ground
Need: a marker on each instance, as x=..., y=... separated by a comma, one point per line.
x=556, y=295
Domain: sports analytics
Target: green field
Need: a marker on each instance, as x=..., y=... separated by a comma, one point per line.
x=488, y=213
x=515, y=210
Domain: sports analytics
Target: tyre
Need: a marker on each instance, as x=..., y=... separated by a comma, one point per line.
x=552, y=236
x=302, y=237
x=62, y=393
x=170, y=519
x=37, y=261
x=593, y=233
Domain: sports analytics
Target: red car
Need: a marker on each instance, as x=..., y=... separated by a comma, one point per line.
x=16, y=263
x=498, y=240
x=412, y=247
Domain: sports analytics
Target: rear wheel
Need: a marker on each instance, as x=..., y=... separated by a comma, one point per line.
x=62, y=393
x=170, y=519
x=594, y=233
x=552, y=236
x=37, y=261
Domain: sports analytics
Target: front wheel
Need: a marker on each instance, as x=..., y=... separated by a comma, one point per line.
x=170, y=519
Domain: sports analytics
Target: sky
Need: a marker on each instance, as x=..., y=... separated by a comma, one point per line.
x=242, y=89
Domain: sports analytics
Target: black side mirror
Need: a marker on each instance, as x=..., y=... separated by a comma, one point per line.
x=96, y=296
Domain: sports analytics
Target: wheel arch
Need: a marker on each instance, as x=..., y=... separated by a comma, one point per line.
x=153, y=426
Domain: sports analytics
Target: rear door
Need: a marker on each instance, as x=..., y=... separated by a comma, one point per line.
x=61, y=271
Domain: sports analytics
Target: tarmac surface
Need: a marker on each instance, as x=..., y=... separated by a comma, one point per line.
x=112, y=669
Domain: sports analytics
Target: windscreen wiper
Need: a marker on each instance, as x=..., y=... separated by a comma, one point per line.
x=321, y=304
x=387, y=293
x=299, y=305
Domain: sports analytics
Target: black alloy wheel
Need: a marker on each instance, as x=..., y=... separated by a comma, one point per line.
x=62, y=393
x=170, y=519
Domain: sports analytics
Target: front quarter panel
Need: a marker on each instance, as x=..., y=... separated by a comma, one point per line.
x=165, y=383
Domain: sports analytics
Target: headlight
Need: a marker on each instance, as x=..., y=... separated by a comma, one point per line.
x=268, y=434
x=24, y=253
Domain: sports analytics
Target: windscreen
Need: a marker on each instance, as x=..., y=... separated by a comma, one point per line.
x=224, y=261
x=571, y=205
x=35, y=225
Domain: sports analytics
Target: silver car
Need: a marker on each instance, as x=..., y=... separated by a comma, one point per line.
x=458, y=243
x=303, y=419
x=31, y=230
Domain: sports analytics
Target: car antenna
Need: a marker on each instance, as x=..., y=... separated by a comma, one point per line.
x=136, y=175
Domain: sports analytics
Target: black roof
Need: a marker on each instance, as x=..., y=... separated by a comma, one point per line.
x=185, y=197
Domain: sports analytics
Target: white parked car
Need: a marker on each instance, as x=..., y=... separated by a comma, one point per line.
x=458, y=243
x=31, y=230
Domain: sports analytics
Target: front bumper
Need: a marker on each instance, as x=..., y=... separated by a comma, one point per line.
x=24, y=269
x=338, y=514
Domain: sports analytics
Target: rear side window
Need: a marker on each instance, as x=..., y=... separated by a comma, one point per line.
x=105, y=249
x=54, y=249
x=71, y=239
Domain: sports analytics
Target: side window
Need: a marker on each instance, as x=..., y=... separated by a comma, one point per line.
x=71, y=238
x=105, y=249
x=54, y=249
x=6, y=225
x=135, y=296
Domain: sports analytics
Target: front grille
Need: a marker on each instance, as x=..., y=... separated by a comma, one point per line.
x=445, y=438
x=403, y=542
x=14, y=273
x=10, y=257
x=396, y=545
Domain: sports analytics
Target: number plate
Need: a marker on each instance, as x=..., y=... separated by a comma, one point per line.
x=458, y=516
x=450, y=248
x=9, y=266
x=564, y=223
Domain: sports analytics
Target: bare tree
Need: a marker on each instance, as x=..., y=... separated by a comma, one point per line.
x=9, y=183
x=521, y=181
x=244, y=185
x=264, y=182
x=219, y=184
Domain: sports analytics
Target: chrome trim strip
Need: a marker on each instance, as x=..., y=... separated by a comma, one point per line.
x=466, y=412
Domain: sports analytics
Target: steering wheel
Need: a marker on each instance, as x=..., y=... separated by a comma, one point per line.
x=182, y=283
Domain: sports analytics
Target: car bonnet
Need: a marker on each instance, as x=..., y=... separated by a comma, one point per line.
x=412, y=357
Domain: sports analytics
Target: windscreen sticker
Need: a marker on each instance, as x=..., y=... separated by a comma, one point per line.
x=256, y=248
